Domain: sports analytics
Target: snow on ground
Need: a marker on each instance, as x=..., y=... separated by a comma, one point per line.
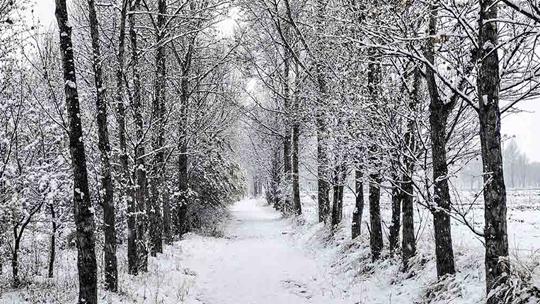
x=265, y=258
x=384, y=282
x=256, y=262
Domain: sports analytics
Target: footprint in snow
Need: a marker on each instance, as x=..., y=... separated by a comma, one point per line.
x=297, y=288
x=190, y=272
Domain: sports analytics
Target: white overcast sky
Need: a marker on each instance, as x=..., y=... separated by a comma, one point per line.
x=525, y=126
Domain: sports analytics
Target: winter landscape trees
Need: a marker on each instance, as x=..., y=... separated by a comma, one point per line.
x=132, y=124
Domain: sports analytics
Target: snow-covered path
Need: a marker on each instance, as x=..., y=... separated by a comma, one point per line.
x=256, y=263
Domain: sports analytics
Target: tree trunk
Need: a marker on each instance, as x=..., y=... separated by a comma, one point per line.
x=441, y=197
x=167, y=232
x=373, y=83
x=183, y=188
x=393, y=238
x=83, y=215
x=15, y=259
x=183, y=182
x=408, y=243
x=297, y=205
x=154, y=212
x=359, y=204
x=375, y=236
x=139, y=221
x=323, y=176
x=488, y=83
x=52, y=245
x=183, y=159
x=287, y=166
x=121, y=119
x=111, y=272
x=337, y=206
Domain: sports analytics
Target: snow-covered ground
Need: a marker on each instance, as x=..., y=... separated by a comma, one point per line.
x=256, y=262
x=265, y=258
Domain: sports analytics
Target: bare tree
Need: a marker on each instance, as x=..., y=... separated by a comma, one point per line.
x=84, y=216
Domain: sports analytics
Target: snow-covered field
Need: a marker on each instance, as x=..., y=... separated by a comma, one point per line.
x=264, y=258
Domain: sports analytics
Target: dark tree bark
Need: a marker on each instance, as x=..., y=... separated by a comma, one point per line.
x=154, y=210
x=488, y=83
x=287, y=166
x=109, y=220
x=140, y=221
x=275, y=179
x=183, y=177
x=167, y=232
x=297, y=205
x=395, y=225
x=126, y=182
x=339, y=184
x=323, y=176
x=408, y=243
x=441, y=197
x=439, y=112
x=359, y=204
x=52, y=244
x=83, y=215
x=16, y=281
x=375, y=236
x=256, y=186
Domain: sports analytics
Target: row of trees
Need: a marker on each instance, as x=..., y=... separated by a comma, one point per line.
x=130, y=105
x=519, y=171
x=398, y=94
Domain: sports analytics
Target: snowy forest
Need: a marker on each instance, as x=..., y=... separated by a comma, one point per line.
x=269, y=151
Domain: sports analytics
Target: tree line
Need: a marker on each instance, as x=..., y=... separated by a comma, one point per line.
x=128, y=103
x=401, y=96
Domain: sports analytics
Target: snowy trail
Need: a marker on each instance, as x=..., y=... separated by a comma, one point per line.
x=256, y=263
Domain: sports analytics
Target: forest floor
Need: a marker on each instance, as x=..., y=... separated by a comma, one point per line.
x=262, y=257
x=257, y=261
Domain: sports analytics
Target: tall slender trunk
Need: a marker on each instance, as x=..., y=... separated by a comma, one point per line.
x=16, y=281
x=287, y=166
x=256, y=186
x=183, y=182
x=359, y=204
x=393, y=238
x=297, y=205
x=339, y=183
x=154, y=211
x=109, y=221
x=441, y=197
x=83, y=215
x=139, y=208
x=52, y=244
x=121, y=120
x=275, y=180
x=323, y=174
x=488, y=83
x=167, y=232
x=408, y=243
x=376, y=237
